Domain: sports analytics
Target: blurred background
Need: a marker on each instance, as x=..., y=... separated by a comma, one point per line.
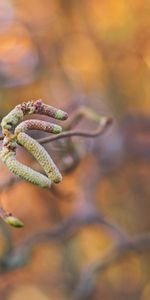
x=93, y=53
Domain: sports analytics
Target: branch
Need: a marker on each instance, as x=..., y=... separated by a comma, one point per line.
x=100, y=130
x=7, y=239
x=20, y=255
x=88, y=278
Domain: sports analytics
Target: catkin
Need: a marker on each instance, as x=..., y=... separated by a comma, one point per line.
x=41, y=155
x=15, y=134
x=8, y=153
x=37, y=125
x=22, y=171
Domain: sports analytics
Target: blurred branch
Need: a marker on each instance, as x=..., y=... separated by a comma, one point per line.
x=7, y=238
x=20, y=255
x=9, y=182
x=88, y=278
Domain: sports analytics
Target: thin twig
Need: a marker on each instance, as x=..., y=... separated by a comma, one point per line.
x=101, y=129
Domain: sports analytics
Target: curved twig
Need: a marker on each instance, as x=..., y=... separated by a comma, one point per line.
x=86, y=134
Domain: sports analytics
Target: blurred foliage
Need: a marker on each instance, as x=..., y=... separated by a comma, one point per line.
x=69, y=53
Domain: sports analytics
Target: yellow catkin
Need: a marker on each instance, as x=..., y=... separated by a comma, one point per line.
x=41, y=155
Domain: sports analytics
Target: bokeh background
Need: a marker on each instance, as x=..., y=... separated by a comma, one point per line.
x=71, y=53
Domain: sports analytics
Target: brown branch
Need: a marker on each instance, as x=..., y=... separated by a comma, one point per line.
x=80, y=113
x=86, y=134
x=20, y=255
x=69, y=227
x=88, y=278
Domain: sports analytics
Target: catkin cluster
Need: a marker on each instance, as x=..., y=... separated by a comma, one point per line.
x=15, y=134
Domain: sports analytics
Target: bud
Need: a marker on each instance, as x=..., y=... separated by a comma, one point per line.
x=13, y=221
